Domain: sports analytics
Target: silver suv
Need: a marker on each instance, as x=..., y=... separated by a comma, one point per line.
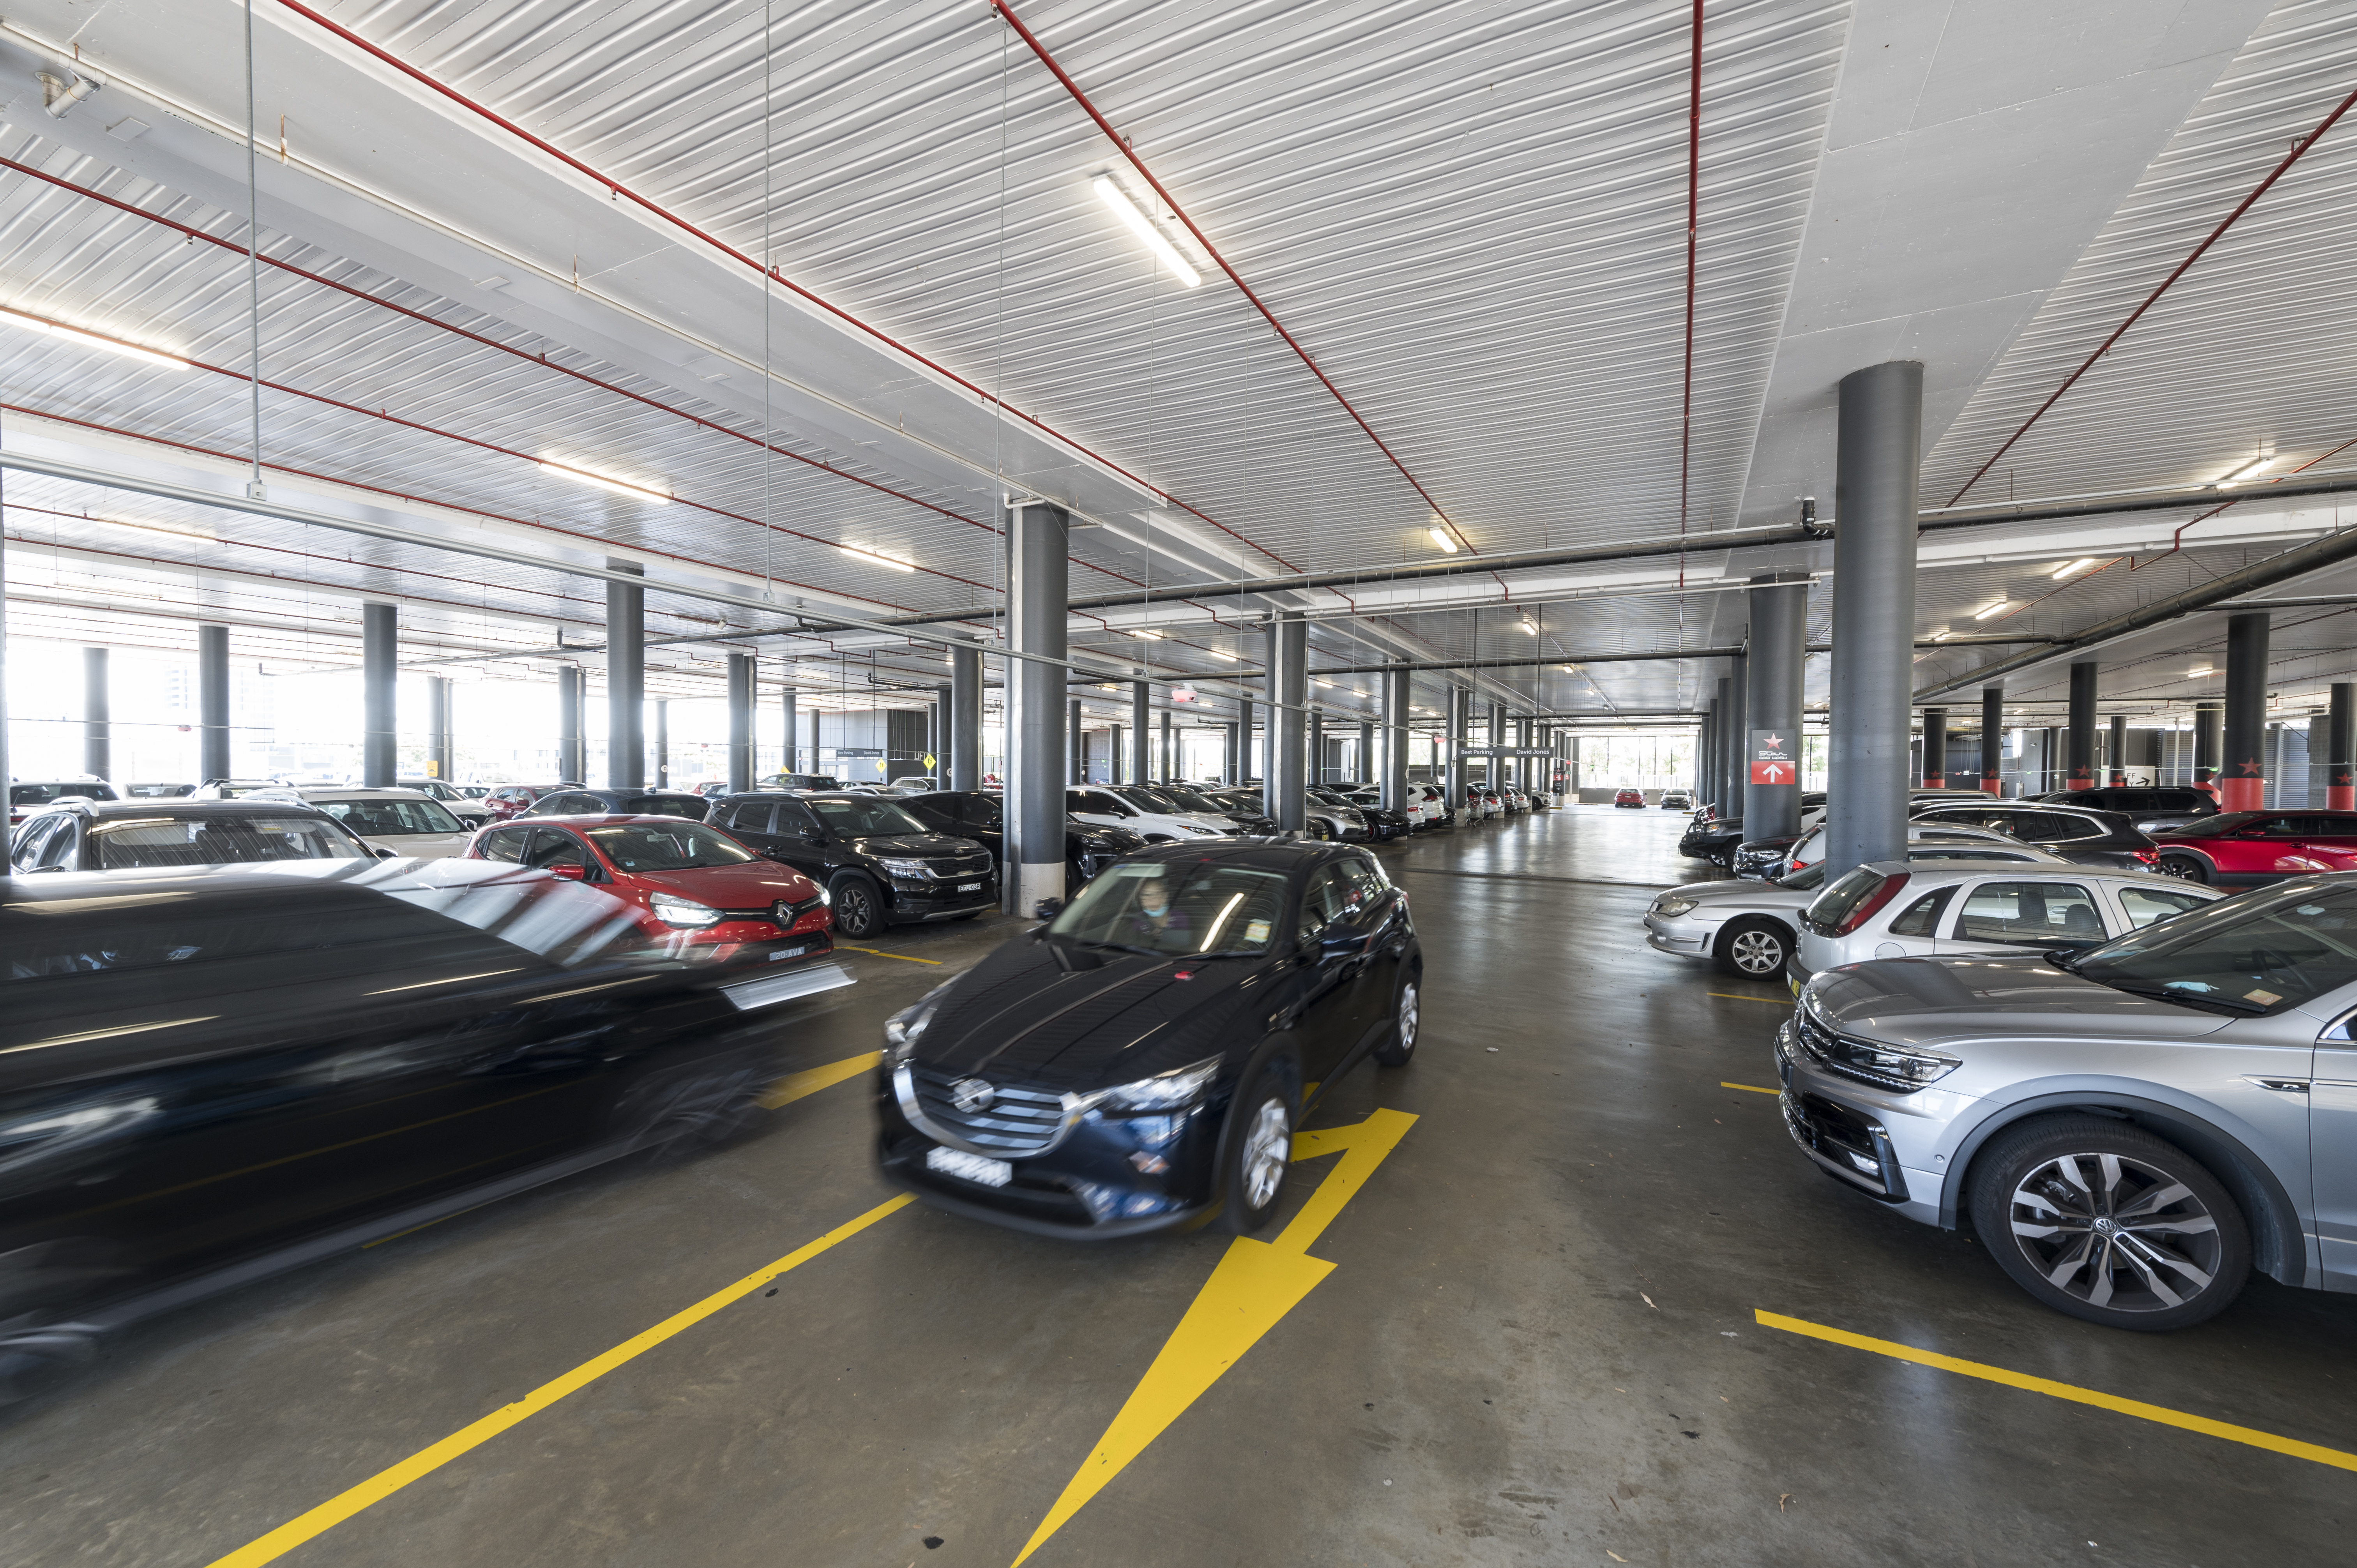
x=2131, y=1129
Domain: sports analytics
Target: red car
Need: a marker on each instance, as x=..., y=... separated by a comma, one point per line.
x=1629, y=798
x=514, y=799
x=697, y=892
x=2246, y=848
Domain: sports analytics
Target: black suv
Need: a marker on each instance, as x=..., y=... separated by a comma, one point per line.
x=584, y=803
x=2082, y=837
x=2147, y=808
x=981, y=817
x=882, y=865
x=80, y=834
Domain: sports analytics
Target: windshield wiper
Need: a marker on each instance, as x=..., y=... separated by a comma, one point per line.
x=2163, y=994
x=1124, y=947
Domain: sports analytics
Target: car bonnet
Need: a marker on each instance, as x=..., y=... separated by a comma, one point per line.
x=753, y=884
x=1022, y=1016
x=1934, y=1001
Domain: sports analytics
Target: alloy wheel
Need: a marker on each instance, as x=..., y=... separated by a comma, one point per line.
x=1269, y=1145
x=1757, y=952
x=1407, y=1017
x=2182, y=867
x=2115, y=1233
x=855, y=909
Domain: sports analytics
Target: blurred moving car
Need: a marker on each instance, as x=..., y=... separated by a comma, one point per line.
x=576, y=800
x=210, y=1075
x=1629, y=798
x=401, y=820
x=26, y=799
x=2130, y=1129
x=1750, y=929
x=981, y=816
x=514, y=799
x=2247, y=849
x=879, y=864
x=1141, y=1062
x=2150, y=808
x=469, y=809
x=80, y=834
x=1890, y=909
x=695, y=887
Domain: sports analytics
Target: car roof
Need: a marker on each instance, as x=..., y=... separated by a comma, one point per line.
x=183, y=805
x=1933, y=875
x=1269, y=853
x=591, y=820
x=339, y=792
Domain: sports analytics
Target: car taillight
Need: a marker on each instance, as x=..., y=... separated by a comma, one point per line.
x=2149, y=856
x=1874, y=901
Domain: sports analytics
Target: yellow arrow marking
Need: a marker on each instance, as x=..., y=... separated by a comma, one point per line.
x=1254, y=1285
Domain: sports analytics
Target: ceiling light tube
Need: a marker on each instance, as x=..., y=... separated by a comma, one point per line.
x=1113, y=196
x=620, y=487
x=870, y=558
x=2197, y=675
x=2070, y=568
x=92, y=340
x=1997, y=608
x=1440, y=537
x=2248, y=471
x=1530, y=627
x=1149, y=635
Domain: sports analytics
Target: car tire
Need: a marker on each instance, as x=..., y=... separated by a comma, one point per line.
x=858, y=906
x=1259, y=1148
x=2190, y=867
x=1398, y=1048
x=1753, y=949
x=2046, y=1192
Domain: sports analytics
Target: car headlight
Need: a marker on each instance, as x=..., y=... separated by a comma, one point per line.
x=1165, y=1090
x=909, y=870
x=1670, y=906
x=674, y=910
x=1885, y=1067
x=903, y=1029
x=1194, y=828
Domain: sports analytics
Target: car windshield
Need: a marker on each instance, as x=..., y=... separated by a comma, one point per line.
x=1194, y=909
x=2239, y=955
x=2213, y=827
x=691, y=806
x=1189, y=800
x=392, y=819
x=667, y=846
x=865, y=816
x=128, y=843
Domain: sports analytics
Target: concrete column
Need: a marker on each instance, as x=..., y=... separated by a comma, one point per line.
x=662, y=745
x=1993, y=739
x=1364, y=768
x=1315, y=772
x=1141, y=732
x=626, y=684
x=1396, y=699
x=2243, y=787
x=2079, y=733
x=1113, y=774
x=1706, y=744
x=437, y=729
x=570, y=752
x=1460, y=705
x=379, y=663
x=2341, y=749
x=5, y=773
x=1076, y=743
x=965, y=718
x=2209, y=744
x=1038, y=572
x=213, y=703
x=1935, y=748
x=1773, y=676
x=1170, y=769
x=790, y=748
x=1229, y=771
x=2117, y=754
x=1880, y=453
x=1288, y=730
x=97, y=727
x=742, y=682
x=1736, y=758
x=1244, y=758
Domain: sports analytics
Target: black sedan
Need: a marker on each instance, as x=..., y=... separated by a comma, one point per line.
x=979, y=815
x=209, y=1076
x=881, y=865
x=1140, y=1062
x=1714, y=840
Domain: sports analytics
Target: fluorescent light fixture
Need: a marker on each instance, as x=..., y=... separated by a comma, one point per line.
x=1440, y=537
x=620, y=487
x=1149, y=635
x=870, y=558
x=92, y=340
x=2070, y=568
x=163, y=528
x=1997, y=608
x=1216, y=653
x=1530, y=627
x=1571, y=669
x=1113, y=196
x=2197, y=674
x=2247, y=471
x=1327, y=684
x=1941, y=636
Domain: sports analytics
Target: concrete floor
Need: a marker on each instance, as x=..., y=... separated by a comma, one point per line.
x=1535, y=1345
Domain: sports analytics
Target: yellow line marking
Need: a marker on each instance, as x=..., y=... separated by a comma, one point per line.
x=2153, y=1413
x=426, y=1461
x=879, y=953
x=1739, y=996
x=800, y=1085
x=1254, y=1285
x=1752, y=1086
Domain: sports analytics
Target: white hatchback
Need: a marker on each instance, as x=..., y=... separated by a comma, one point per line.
x=404, y=821
x=1110, y=806
x=1891, y=908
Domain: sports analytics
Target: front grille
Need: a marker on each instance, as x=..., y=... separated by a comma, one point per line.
x=1017, y=1121
x=1844, y=1143
x=962, y=869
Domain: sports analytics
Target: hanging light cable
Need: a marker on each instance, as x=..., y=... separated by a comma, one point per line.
x=254, y=487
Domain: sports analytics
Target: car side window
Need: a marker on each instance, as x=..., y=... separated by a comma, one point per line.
x=982, y=811
x=2145, y=905
x=506, y=845
x=555, y=847
x=794, y=821
x=1922, y=915
x=38, y=842
x=2034, y=914
x=938, y=814
x=1324, y=900
x=2059, y=825
x=751, y=816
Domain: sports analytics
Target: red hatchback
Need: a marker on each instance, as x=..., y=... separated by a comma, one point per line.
x=2246, y=848
x=514, y=799
x=697, y=892
x=1629, y=798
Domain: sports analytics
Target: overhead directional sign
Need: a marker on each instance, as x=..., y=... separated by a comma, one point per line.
x=1505, y=751
x=1774, y=758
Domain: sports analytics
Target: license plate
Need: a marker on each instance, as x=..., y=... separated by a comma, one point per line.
x=969, y=887
x=972, y=1167
x=787, y=953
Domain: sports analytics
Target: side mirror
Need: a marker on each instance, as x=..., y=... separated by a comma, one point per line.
x=383, y=853
x=567, y=870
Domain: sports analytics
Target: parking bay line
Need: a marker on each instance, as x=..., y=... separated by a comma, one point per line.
x=800, y=1085
x=2153, y=1413
x=1739, y=996
x=426, y=1461
x=1753, y=1087
x=1254, y=1286
x=879, y=953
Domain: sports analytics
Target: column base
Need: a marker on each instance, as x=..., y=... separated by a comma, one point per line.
x=1034, y=883
x=2242, y=794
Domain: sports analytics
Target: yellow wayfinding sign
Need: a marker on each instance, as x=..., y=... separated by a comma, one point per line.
x=1255, y=1284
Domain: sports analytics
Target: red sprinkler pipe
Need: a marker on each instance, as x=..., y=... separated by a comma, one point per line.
x=1694, y=230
